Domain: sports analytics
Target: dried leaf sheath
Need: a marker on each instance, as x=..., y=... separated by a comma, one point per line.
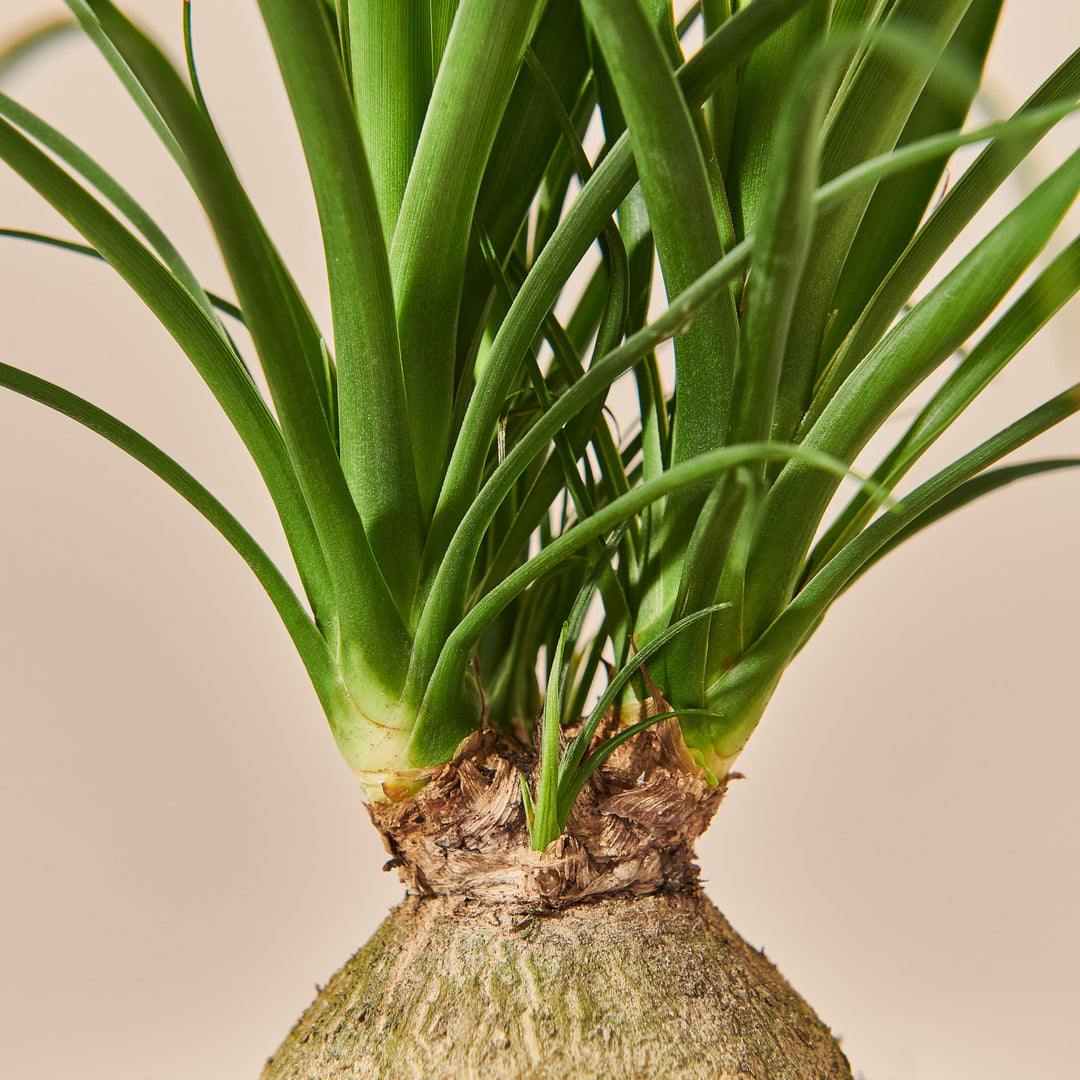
x=631, y=831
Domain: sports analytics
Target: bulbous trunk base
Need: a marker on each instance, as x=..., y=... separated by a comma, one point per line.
x=621, y=988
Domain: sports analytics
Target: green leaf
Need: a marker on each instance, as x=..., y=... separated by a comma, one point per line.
x=944, y=225
x=584, y=220
x=373, y=639
x=613, y=320
x=530, y=806
x=90, y=13
x=569, y=445
x=579, y=745
x=569, y=795
x=435, y=732
x=687, y=663
x=201, y=339
x=676, y=189
x=32, y=41
x=867, y=119
x=376, y=457
x=785, y=219
x=309, y=643
x=983, y=484
x=524, y=149
x=720, y=108
x=392, y=72
x=88, y=16
x=768, y=81
x=740, y=695
x=898, y=205
x=428, y=256
x=571, y=478
x=90, y=170
x=189, y=54
x=724, y=51
x=447, y=594
x=784, y=210
x=937, y=326
x=589, y=665
x=1050, y=291
x=688, y=233
x=850, y=14
x=582, y=605
x=218, y=302
x=546, y=826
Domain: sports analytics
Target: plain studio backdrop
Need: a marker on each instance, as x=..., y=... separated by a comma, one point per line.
x=185, y=855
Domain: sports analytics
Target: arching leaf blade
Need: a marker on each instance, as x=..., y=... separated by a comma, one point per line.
x=898, y=205
x=202, y=341
x=960, y=204
x=428, y=255
x=87, y=15
x=373, y=637
x=867, y=118
x=741, y=694
x=376, y=457
x=309, y=643
x=1050, y=291
x=32, y=41
x=612, y=179
x=433, y=734
x=673, y=177
x=76, y=158
x=934, y=329
x=984, y=484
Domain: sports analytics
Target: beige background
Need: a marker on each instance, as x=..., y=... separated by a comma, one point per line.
x=183, y=854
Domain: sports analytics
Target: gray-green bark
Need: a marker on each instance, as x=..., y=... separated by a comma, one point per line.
x=620, y=988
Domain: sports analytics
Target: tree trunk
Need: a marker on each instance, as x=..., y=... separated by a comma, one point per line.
x=598, y=958
x=620, y=989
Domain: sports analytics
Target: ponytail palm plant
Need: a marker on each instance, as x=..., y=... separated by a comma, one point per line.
x=494, y=575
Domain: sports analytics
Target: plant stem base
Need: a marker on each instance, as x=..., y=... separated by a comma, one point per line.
x=621, y=988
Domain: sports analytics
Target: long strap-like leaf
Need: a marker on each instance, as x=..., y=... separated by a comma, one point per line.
x=372, y=633
x=1050, y=291
x=428, y=256
x=867, y=119
x=88, y=16
x=676, y=188
x=944, y=225
x=742, y=693
x=433, y=735
x=586, y=217
x=392, y=71
x=898, y=205
x=77, y=158
x=375, y=442
x=446, y=598
x=934, y=329
x=309, y=643
x=200, y=338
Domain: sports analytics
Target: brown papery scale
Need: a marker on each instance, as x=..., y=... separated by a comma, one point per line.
x=600, y=957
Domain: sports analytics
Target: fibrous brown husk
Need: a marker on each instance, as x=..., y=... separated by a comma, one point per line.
x=632, y=829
